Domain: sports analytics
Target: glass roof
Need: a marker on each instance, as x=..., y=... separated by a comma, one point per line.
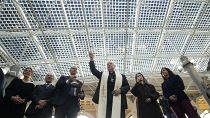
x=138, y=35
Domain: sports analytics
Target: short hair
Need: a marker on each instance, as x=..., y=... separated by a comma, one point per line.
x=29, y=68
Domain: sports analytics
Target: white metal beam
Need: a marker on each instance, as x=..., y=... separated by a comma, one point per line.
x=163, y=31
x=126, y=39
x=86, y=26
x=136, y=57
x=103, y=27
x=5, y=52
x=65, y=31
x=71, y=37
x=34, y=38
x=191, y=33
x=138, y=5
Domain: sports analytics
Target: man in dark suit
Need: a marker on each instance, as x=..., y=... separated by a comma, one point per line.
x=110, y=94
x=67, y=95
x=1, y=91
x=1, y=85
x=41, y=106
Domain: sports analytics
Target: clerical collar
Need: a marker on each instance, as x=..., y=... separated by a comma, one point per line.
x=111, y=72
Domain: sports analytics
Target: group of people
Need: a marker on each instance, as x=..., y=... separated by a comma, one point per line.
x=15, y=93
x=110, y=95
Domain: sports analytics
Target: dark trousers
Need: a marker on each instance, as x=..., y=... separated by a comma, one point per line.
x=12, y=110
x=109, y=113
x=36, y=116
x=184, y=107
x=62, y=111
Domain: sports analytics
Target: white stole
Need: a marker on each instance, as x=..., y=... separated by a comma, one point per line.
x=116, y=104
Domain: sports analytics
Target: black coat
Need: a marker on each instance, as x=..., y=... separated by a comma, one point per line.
x=41, y=92
x=1, y=84
x=62, y=90
x=144, y=109
x=124, y=89
x=24, y=90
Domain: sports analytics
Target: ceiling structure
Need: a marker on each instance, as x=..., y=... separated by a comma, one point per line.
x=138, y=35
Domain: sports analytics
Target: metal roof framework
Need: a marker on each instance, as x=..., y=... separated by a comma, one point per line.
x=138, y=35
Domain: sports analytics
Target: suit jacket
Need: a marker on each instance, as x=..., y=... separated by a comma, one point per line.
x=41, y=92
x=124, y=88
x=62, y=92
x=1, y=85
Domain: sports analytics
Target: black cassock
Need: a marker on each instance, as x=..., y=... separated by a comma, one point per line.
x=110, y=87
x=147, y=110
x=41, y=92
x=24, y=90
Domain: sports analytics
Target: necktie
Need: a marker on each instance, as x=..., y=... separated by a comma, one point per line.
x=47, y=85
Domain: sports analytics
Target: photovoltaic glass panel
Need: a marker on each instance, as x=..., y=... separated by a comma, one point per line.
x=58, y=44
x=2, y=60
x=81, y=43
x=143, y=65
x=203, y=65
x=198, y=44
x=63, y=68
x=22, y=48
x=74, y=13
x=116, y=44
x=61, y=46
x=48, y=12
x=173, y=43
x=127, y=64
x=146, y=43
x=9, y=17
x=204, y=22
x=115, y=13
x=93, y=13
x=100, y=65
x=163, y=62
x=152, y=13
x=97, y=43
x=184, y=14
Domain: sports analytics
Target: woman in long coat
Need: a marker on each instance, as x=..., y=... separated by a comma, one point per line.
x=18, y=93
x=173, y=90
x=147, y=106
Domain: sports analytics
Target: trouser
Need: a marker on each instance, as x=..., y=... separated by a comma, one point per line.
x=62, y=112
x=109, y=113
x=184, y=107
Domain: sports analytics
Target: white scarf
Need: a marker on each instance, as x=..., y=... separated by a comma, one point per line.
x=116, y=106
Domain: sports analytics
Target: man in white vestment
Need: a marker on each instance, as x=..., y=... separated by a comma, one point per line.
x=110, y=94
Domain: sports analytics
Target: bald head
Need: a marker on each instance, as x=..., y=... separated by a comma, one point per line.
x=49, y=78
x=110, y=66
x=73, y=70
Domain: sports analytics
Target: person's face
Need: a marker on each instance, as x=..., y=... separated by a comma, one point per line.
x=139, y=78
x=27, y=72
x=164, y=73
x=73, y=70
x=110, y=66
x=49, y=78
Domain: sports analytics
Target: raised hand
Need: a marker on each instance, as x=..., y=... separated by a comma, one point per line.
x=91, y=55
